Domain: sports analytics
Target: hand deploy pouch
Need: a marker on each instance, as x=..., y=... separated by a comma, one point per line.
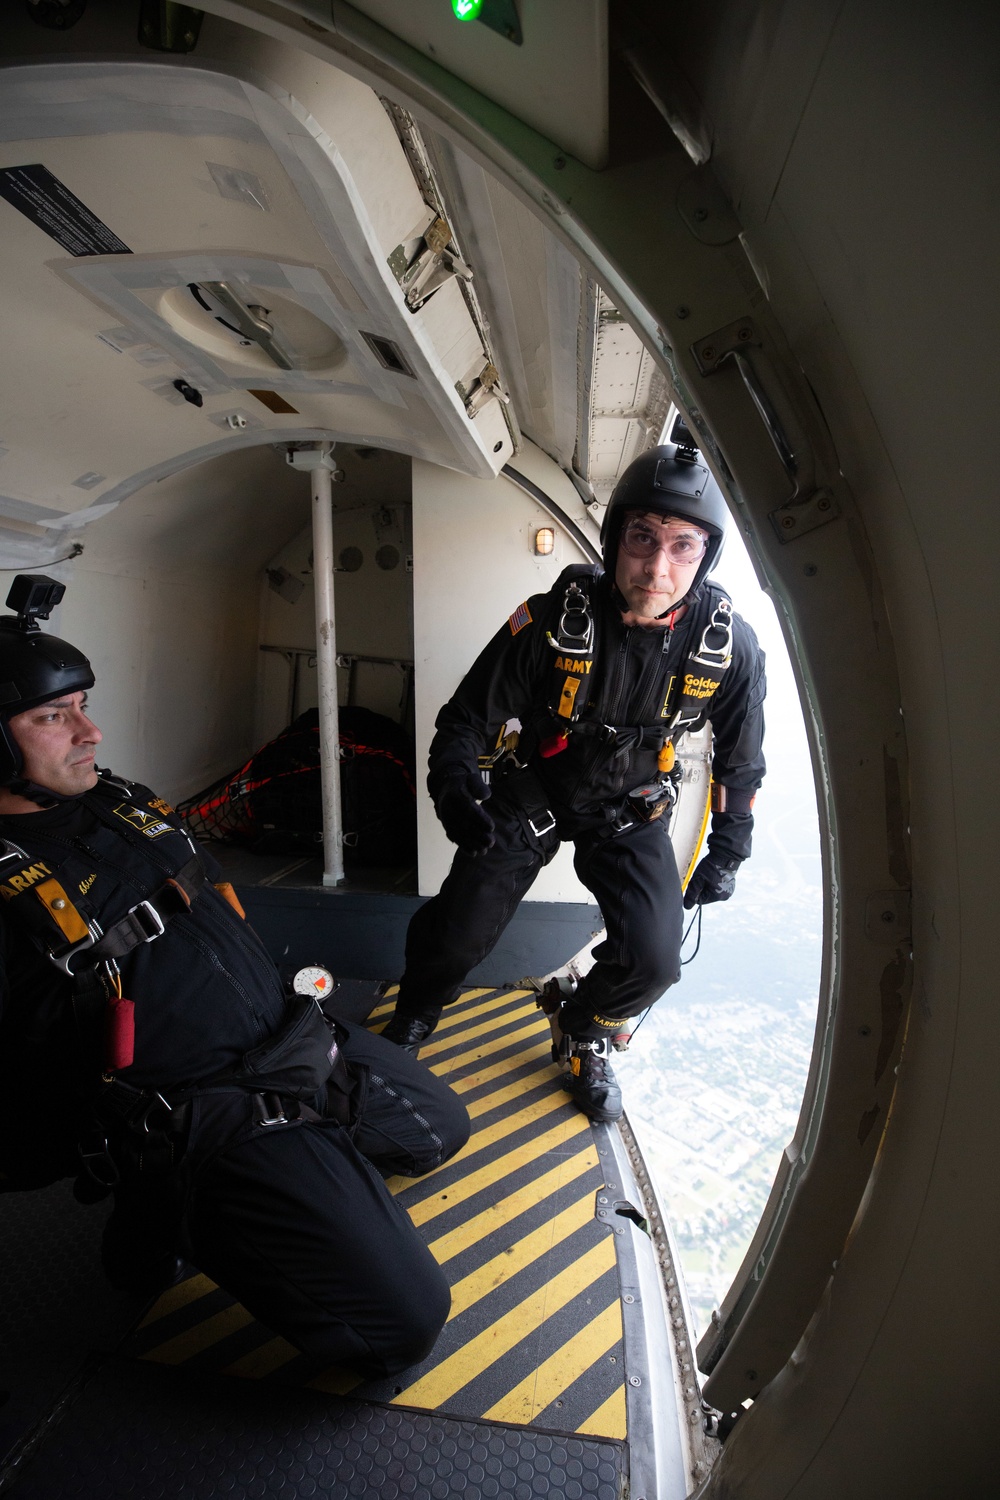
x=653, y=799
x=299, y=1060
x=303, y=1060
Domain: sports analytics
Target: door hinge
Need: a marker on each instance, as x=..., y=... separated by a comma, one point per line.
x=431, y=267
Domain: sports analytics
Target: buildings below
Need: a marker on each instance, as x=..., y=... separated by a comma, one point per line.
x=714, y=1078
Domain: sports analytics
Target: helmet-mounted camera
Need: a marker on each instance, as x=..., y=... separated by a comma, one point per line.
x=33, y=597
x=687, y=445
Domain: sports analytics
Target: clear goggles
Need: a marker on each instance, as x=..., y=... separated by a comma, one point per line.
x=681, y=543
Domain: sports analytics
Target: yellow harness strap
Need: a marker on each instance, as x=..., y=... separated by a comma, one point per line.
x=567, y=697
x=62, y=911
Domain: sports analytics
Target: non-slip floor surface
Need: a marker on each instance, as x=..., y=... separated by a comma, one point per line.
x=143, y=1433
x=55, y=1305
x=535, y=1332
x=523, y=1395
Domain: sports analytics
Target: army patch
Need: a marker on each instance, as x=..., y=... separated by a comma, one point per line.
x=520, y=618
x=146, y=822
x=23, y=882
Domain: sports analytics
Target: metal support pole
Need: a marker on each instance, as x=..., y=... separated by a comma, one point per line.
x=320, y=463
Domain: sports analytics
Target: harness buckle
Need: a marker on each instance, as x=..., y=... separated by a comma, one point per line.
x=721, y=621
x=11, y=854
x=97, y=1161
x=152, y=1116
x=146, y=918
x=621, y=823
x=541, y=826
x=269, y=1110
x=145, y=912
x=575, y=631
x=63, y=960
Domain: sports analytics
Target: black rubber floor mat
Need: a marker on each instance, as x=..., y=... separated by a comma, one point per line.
x=55, y=1305
x=137, y=1431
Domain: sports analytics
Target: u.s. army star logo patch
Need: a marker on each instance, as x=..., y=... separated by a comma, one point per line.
x=146, y=822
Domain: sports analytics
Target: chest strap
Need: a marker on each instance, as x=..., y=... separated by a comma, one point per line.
x=148, y=919
x=72, y=938
x=143, y=923
x=705, y=667
x=573, y=638
x=687, y=702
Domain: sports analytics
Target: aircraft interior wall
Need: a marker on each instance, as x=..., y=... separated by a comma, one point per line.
x=173, y=599
x=858, y=144
x=373, y=556
x=473, y=563
x=165, y=600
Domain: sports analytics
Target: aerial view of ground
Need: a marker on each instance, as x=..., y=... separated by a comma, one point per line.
x=713, y=1080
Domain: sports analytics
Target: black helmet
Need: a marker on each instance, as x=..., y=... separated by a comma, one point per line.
x=33, y=667
x=670, y=481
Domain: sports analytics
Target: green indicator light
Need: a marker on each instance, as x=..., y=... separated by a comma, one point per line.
x=466, y=10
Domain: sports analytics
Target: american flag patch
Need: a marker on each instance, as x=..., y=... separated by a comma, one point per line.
x=520, y=618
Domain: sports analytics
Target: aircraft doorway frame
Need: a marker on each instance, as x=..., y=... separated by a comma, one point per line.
x=664, y=245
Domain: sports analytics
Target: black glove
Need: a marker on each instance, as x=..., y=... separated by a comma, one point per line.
x=713, y=880
x=465, y=822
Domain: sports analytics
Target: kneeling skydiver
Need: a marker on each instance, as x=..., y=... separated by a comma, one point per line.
x=147, y=1048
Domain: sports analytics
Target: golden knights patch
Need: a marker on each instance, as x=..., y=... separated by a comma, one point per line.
x=520, y=618
x=699, y=687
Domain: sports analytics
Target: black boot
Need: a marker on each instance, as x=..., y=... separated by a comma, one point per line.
x=409, y=1031
x=590, y=1080
x=139, y=1250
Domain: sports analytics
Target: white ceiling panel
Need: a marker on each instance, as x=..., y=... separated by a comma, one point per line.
x=556, y=80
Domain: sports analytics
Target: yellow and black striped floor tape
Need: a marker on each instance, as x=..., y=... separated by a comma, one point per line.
x=535, y=1332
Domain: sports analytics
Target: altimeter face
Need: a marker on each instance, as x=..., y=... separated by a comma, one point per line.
x=315, y=981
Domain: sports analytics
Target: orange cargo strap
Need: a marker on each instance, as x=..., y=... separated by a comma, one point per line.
x=226, y=891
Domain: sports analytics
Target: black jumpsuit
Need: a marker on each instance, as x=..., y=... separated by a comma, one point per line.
x=632, y=875
x=294, y=1220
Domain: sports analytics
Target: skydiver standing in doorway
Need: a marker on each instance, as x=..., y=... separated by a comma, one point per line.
x=605, y=673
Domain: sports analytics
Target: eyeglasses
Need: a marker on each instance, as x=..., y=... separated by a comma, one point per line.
x=640, y=540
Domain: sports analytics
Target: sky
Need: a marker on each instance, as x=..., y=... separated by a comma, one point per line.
x=786, y=837
x=786, y=748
